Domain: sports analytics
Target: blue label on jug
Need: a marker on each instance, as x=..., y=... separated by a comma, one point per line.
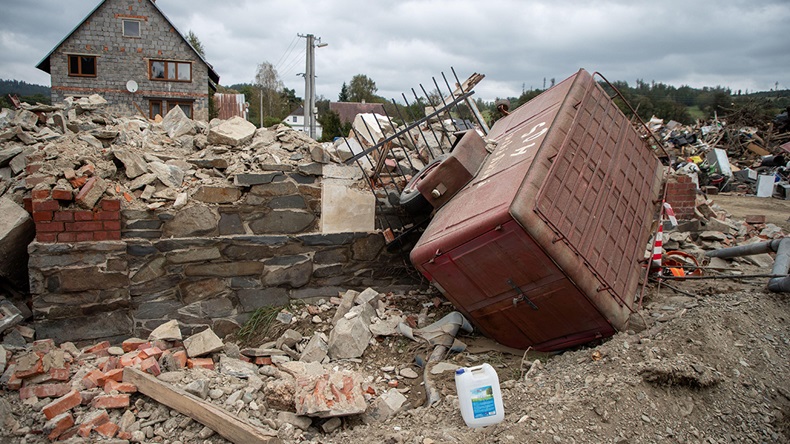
x=483, y=402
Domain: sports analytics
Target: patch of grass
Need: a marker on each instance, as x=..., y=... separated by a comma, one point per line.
x=696, y=113
x=262, y=322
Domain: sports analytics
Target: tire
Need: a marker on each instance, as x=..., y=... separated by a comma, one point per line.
x=410, y=198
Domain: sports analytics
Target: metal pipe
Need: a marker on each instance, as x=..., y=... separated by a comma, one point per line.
x=781, y=266
x=743, y=250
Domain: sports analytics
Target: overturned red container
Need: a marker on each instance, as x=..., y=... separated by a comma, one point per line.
x=543, y=247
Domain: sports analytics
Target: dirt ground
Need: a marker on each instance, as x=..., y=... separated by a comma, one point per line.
x=776, y=211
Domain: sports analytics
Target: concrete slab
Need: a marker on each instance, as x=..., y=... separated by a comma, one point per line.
x=345, y=209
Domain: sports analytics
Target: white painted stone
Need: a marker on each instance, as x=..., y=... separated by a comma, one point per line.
x=203, y=343
x=345, y=209
x=169, y=331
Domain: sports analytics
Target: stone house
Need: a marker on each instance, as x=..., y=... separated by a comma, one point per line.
x=131, y=53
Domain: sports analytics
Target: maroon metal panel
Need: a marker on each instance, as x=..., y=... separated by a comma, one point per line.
x=558, y=214
x=229, y=105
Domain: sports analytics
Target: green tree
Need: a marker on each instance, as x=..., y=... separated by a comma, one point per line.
x=193, y=40
x=343, y=96
x=362, y=88
x=270, y=92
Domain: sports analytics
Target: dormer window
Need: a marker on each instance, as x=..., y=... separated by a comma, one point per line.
x=131, y=28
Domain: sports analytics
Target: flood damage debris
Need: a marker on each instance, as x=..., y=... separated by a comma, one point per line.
x=542, y=248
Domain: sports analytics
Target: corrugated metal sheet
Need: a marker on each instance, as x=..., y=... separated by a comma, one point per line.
x=230, y=105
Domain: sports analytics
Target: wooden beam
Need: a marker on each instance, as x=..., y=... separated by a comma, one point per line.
x=229, y=426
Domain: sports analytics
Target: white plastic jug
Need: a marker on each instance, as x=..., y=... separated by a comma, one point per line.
x=479, y=396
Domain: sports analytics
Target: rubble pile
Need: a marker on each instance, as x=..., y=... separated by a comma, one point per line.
x=147, y=164
x=295, y=388
x=720, y=157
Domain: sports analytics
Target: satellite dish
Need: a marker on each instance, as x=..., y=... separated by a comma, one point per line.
x=131, y=86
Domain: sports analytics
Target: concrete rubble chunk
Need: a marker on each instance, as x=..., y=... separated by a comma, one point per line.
x=234, y=132
x=25, y=119
x=203, y=343
x=177, y=124
x=16, y=232
x=325, y=392
x=170, y=175
x=237, y=367
x=9, y=153
x=134, y=164
x=198, y=387
x=90, y=103
x=169, y=331
x=300, y=422
x=349, y=338
x=387, y=405
x=369, y=296
x=289, y=338
x=316, y=349
x=346, y=302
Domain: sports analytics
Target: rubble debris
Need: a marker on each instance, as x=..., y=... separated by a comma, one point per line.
x=16, y=232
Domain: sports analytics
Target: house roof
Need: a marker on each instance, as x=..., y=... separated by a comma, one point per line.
x=347, y=111
x=44, y=63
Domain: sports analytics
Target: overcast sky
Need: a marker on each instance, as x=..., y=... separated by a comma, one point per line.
x=738, y=44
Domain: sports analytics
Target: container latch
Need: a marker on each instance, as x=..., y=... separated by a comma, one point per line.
x=521, y=295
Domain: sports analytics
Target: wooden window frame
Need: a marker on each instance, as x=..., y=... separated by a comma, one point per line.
x=183, y=103
x=151, y=103
x=139, y=28
x=166, y=71
x=79, y=67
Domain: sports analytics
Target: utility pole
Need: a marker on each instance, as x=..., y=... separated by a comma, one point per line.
x=310, y=110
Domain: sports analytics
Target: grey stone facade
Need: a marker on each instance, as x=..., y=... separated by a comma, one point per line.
x=121, y=58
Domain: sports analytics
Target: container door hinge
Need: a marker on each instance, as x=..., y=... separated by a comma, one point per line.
x=521, y=295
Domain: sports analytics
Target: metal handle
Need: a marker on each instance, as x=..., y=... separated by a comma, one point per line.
x=521, y=297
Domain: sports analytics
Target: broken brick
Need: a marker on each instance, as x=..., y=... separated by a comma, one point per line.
x=56, y=426
x=97, y=347
x=108, y=429
x=123, y=387
x=93, y=379
x=96, y=417
x=206, y=363
x=44, y=391
x=180, y=358
x=263, y=360
x=114, y=375
x=151, y=352
x=62, y=404
x=85, y=430
x=150, y=366
x=111, y=401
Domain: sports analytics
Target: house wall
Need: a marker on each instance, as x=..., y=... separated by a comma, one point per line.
x=120, y=59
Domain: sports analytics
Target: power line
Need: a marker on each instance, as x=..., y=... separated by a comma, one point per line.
x=297, y=58
x=287, y=52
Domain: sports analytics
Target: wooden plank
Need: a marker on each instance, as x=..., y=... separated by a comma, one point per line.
x=217, y=419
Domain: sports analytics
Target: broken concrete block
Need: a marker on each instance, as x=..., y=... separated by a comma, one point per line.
x=301, y=422
x=90, y=103
x=369, y=296
x=16, y=232
x=289, y=338
x=25, y=119
x=349, y=338
x=9, y=153
x=331, y=393
x=170, y=175
x=177, y=124
x=133, y=163
x=169, y=331
x=237, y=367
x=316, y=349
x=203, y=343
x=234, y=132
x=387, y=405
x=141, y=181
x=198, y=387
x=251, y=179
x=9, y=315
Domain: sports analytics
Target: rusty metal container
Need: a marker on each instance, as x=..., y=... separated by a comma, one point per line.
x=542, y=248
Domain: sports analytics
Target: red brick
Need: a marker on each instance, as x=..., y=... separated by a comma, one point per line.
x=84, y=236
x=88, y=396
x=33, y=158
x=42, y=216
x=78, y=182
x=83, y=215
x=37, y=369
x=33, y=168
x=123, y=387
x=113, y=235
x=86, y=170
x=124, y=435
x=206, y=363
x=108, y=429
x=96, y=347
x=263, y=360
x=49, y=227
x=44, y=391
x=84, y=226
x=63, y=216
x=41, y=194
x=111, y=401
x=62, y=404
x=56, y=426
x=46, y=237
x=67, y=237
x=65, y=195
x=85, y=430
x=180, y=358
x=149, y=352
x=92, y=379
x=112, y=225
x=107, y=215
x=27, y=202
x=31, y=181
x=114, y=375
x=46, y=205
x=110, y=205
x=60, y=374
x=144, y=345
x=132, y=344
x=150, y=366
x=96, y=418
x=101, y=235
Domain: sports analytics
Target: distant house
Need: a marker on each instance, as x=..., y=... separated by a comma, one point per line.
x=347, y=111
x=129, y=52
x=296, y=121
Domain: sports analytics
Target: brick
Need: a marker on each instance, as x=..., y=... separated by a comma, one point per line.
x=84, y=226
x=180, y=358
x=56, y=426
x=63, y=216
x=84, y=236
x=206, y=363
x=86, y=170
x=78, y=182
x=132, y=344
x=33, y=168
x=96, y=418
x=14, y=383
x=27, y=203
x=85, y=430
x=124, y=435
x=110, y=205
x=83, y=215
x=31, y=181
x=67, y=237
x=69, y=174
x=123, y=387
x=46, y=205
x=42, y=216
x=263, y=360
x=60, y=374
x=755, y=219
x=34, y=157
x=111, y=401
x=44, y=391
x=144, y=345
x=92, y=379
x=114, y=375
x=101, y=236
x=49, y=227
x=112, y=225
x=46, y=237
x=33, y=370
x=150, y=366
x=107, y=215
x=62, y=404
x=108, y=429
x=64, y=195
x=96, y=347
x=40, y=194
x=88, y=396
x=154, y=352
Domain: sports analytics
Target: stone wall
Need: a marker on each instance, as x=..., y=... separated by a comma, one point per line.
x=120, y=59
x=107, y=290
